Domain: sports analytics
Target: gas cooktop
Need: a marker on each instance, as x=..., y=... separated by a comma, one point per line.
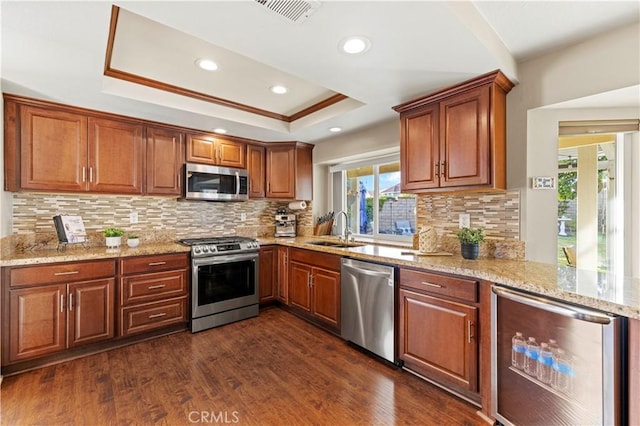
x=212, y=246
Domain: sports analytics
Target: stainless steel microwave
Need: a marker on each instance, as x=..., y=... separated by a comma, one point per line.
x=214, y=183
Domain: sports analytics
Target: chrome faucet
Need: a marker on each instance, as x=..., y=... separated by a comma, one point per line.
x=347, y=230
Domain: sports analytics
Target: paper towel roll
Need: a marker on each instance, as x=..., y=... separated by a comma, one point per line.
x=298, y=205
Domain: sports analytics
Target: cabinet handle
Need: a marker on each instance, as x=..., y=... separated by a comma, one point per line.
x=313, y=279
x=437, y=167
x=157, y=263
x=62, y=303
x=433, y=285
x=153, y=287
x=90, y=174
x=179, y=179
x=84, y=174
x=469, y=335
x=71, y=301
x=66, y=273
x=443, y=169
x=157, y=315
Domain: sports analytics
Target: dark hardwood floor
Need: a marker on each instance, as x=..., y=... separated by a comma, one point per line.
x=271, y=370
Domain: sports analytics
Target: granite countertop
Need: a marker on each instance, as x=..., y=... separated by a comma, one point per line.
x=604, y=292
x=79, y=253
x=617, y=295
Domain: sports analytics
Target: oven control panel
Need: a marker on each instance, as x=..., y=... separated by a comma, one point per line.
x=219, y=249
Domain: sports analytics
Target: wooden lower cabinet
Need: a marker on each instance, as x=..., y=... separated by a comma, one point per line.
x=634, y=372
x=282, y=275
x=41, y=318
x=153, y=293
x=314, y=286
x=267, y=278
x=437, y=333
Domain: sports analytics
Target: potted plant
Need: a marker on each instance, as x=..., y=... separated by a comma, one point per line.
x=113, y=237
x=133, y=241
x=470, y=239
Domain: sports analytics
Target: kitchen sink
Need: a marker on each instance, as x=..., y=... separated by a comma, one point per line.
x=334, y=243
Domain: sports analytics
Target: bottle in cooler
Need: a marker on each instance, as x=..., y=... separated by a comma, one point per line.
x=545, y=363
x=518, y=348
x=563, y=377
x=531, y=357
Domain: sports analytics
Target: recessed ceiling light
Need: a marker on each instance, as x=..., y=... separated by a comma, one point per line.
x=207, y=64
x=355, y=45
x=220, y=130
x=279, y=90
x=335, y=129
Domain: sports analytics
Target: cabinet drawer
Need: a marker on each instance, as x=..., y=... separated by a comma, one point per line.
x=141, y=318
x=150, y=287
x=443, y=285
x=143, y=264
x=61, y=273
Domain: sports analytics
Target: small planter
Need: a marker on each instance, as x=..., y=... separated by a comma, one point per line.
x=469, y=251
x=113, y=242
x=133, y=242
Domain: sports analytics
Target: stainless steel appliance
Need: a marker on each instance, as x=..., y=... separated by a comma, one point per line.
x=368, y=306
x=555, y=363
x=285, y=225
x=213, y=183
x=224, y=280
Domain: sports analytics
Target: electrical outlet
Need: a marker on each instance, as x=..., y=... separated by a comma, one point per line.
x=464, y=220
x=133, y=217
x=243, y=217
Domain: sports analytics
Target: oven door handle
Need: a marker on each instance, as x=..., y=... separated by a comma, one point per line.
x=218, y=260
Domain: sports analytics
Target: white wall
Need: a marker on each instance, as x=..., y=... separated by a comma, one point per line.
x=602, y=64
x=5, y=197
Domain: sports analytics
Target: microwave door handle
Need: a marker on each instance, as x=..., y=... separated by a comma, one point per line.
x=237, y=183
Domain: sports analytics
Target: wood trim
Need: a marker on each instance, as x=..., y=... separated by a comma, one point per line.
x=144, y=81
x=484, y=349
x=115, y=11
x=317, y=107
x=495, y=77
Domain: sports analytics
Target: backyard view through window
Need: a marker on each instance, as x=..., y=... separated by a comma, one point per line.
x=374, y=203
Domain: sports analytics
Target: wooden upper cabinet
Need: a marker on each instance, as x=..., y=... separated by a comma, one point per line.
x=456, y=138
x=256, y=169
x=419, y=145
x=165, y=157
x=464, y=139
x=115, y=156
x=208, y=149
x=53, y=150
x=289, y=171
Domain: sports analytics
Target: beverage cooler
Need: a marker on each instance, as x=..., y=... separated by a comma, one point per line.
x=554, y=363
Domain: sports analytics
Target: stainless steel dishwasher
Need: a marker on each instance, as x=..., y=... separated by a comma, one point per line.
x=368, y=306
x=555, y=363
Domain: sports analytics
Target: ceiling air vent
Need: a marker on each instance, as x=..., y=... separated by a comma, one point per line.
x=294, y=10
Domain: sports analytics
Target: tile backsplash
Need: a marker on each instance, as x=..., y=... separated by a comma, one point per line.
x=33, y=212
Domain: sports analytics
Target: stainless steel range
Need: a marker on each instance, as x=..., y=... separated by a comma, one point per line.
x=224, y=280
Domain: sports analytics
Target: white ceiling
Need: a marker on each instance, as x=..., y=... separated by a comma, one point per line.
x=56, y=50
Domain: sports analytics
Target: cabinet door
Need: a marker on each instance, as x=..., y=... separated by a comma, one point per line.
x=283, y=275
x=300, y=286
x=255, y=168
x=464, y=138
x=37, y=322
x=281, y=172
x=91, y=308
x=437, y=338
x=201, y=149
x=267, y=278
x=165, y=157
x=231, y=153
x=325, y=287
x=419, y=149
x=53, y=150
x=115, y=156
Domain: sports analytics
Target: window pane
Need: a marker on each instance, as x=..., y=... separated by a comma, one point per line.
x=360, y=201
x=396, y=211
